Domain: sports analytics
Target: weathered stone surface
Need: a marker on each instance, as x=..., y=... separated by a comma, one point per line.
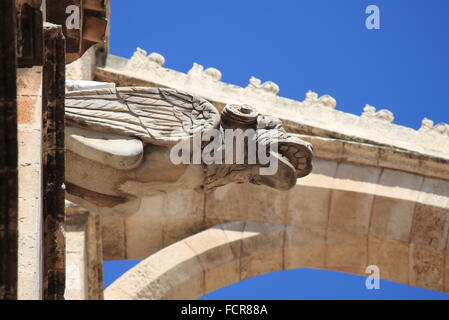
x=53, y=162
x=394, y=205
x=84, y=268
x=262, y=249
x=217, y=259
x=8, y=152
x=392, y=257
x=161, y=274
x=183, y=215
x=29, y=99
x=144, y=230
x=223, y=205
x=266, y=204
x=426, y=267
x=114, y=245
x=29, y=33
x=304, y=248
x=349, y=181
x=312, y=194
x=81, y=69
x=345, y=249
x=430, y=226
x=446, y=270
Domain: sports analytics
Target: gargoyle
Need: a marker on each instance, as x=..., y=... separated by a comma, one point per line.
x=120, y=146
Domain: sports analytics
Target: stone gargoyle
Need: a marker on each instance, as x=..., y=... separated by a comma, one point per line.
x=120, y=144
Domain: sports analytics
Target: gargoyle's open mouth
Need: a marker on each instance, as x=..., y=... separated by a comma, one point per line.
x=294, y=158
x=297, y=155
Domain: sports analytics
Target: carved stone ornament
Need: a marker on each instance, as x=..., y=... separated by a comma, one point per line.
x=143, y=61
x=268, y=86
x=197, y=70
x=383, y=115
x=323, y=101
x=428, y=126
x=121, y=143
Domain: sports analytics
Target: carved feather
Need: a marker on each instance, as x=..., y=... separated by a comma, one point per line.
x=155, y=115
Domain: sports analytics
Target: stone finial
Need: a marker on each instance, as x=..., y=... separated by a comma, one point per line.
x=142, y=61
x=157, y=58
x=324, y=101
x=213, y=73
x=197, y=70
x=254, y=83
x=139, y=55
x=328, y=101
x=369, y=111
x=267, y=86
x=440, y=128
x=311, y=97
x=426, y=125
x=383, y=114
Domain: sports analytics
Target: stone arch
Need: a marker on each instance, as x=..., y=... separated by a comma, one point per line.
x=342, y=217
x=234, y=251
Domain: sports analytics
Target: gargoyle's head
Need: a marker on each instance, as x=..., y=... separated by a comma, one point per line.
x=292, y=155
x=278, y=158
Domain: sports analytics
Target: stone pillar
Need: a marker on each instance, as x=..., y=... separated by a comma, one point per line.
x=29, y=98
x=41, y=58
x=84, y=272
x=53, y=162
x=29, y=104
x=8, y=151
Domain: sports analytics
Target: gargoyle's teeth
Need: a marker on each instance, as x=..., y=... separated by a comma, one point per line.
x=295, y=155
x=302, y=160
x=293, y=150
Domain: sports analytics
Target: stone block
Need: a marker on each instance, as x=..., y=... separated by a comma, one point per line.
x=345, y=250
x=304, y=247
x=392, y=258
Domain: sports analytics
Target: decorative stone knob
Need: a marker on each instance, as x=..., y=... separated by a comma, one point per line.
x=239, y=116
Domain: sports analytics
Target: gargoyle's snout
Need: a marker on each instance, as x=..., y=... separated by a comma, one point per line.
x=298, y=153
x=294, y=160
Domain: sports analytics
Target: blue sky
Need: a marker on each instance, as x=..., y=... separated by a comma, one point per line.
x=319, y=45
x=298, y=284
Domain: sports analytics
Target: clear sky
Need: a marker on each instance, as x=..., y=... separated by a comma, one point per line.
x=319, y=45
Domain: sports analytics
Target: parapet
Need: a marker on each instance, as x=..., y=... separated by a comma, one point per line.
x=315, y=115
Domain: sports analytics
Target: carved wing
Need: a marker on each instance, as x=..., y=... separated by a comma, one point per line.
x=156, y=115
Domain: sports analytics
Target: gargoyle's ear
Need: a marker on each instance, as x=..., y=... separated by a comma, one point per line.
x=239, y=116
